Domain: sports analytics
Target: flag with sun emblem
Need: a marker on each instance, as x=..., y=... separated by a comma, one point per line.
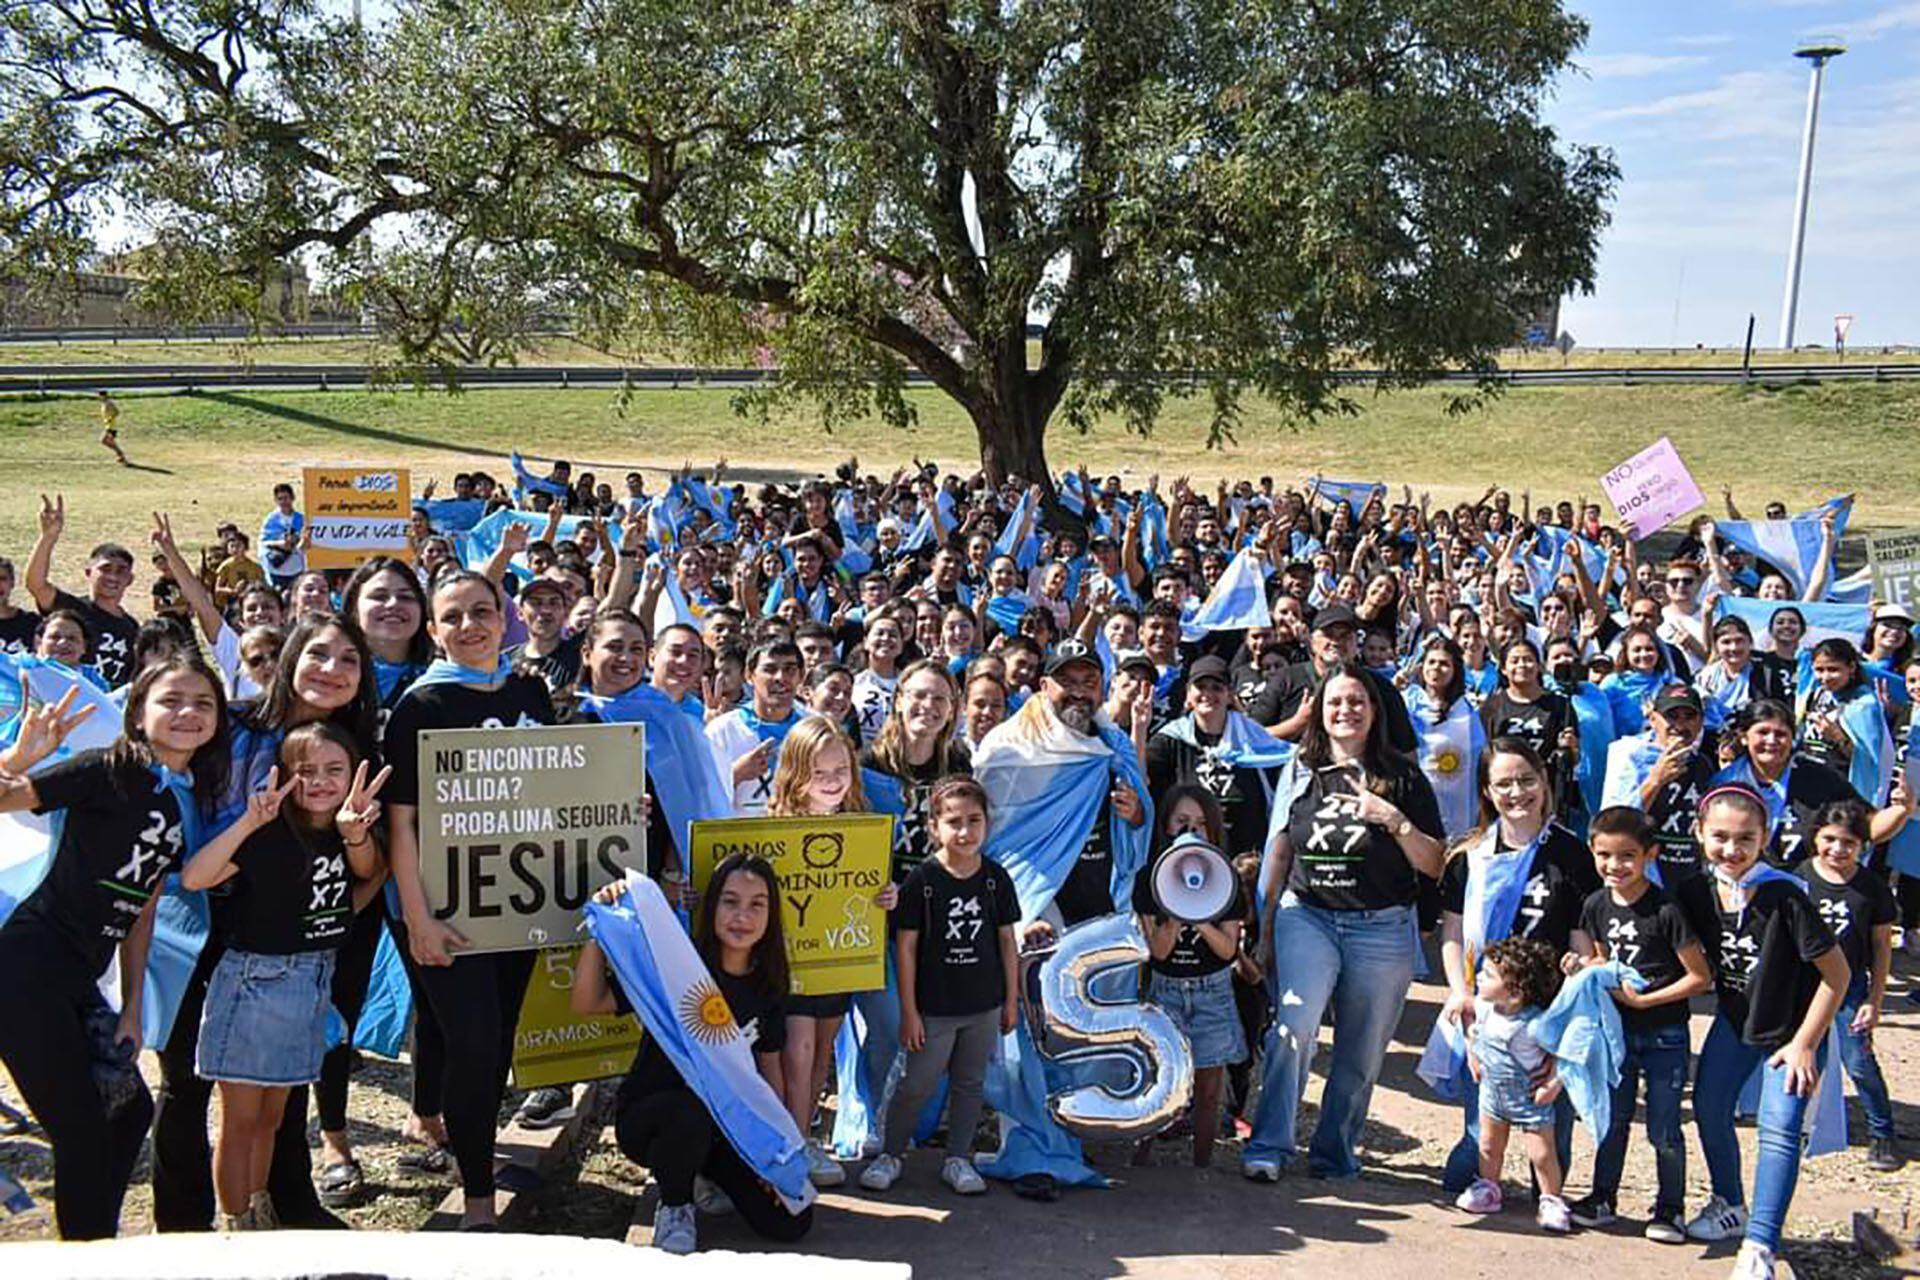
x=1451, y=740
x=682, y=1008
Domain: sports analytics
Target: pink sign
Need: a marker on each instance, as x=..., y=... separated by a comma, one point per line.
x=1652, y=489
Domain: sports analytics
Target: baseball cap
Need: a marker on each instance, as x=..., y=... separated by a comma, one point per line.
x=1211, y=667
x=1068, y=652
x=1674, y=697
x=1136, y=660
x=543, y=584
x=1337, y=614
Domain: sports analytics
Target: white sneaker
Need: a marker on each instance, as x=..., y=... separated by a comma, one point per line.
x=822, y=1169
x=710, y=1199
x=1554, y=1215
x=881, y=1174
x=1717, y=1220
x=1260, y=1170
x=674, y=1230
x=1753, y=1263
x=962, y=1176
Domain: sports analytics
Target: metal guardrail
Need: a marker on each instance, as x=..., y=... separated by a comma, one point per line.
x=50, y=379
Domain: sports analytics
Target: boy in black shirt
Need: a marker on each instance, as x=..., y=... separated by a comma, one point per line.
x=1634, y=922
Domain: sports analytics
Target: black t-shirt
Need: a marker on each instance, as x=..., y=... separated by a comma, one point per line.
x=1811, y=786
x=1853, y=911
x=1558, y=885
x=1242, y=792
x=1773, y=677
x=1087, y=892
x=119, y=838
x=17, y=632
x=1674, y=810
x=958, y=924
x=557, y=670
x=762, y=1019
x=522, y=700
x=913, y=833
x=1765, y=1000
x=1538, y=723
x=1285, y=692
x=1191, y=957
x=110, y=634
x=1343, y=864
x=293, y=892
x=1647, y=934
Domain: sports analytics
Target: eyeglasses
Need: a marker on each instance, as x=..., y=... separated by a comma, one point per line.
x=1682, y=582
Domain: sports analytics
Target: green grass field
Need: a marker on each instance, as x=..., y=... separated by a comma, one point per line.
x=211, y=456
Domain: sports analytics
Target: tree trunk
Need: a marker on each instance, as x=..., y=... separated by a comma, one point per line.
x=1012, y=445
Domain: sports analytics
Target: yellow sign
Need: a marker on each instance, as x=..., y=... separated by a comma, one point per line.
x=829, y=871
x=553, y=1045
x=355, y=513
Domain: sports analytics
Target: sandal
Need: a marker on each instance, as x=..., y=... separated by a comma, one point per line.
x=430, y=1159
x=341, y=1184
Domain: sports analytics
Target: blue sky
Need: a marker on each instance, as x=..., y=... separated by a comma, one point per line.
x=1703, y=104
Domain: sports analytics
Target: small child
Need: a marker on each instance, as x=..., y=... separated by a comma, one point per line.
x=1860, y=910
x=264, y=1027
x=1517, y=979
x=959, y=982
x=1635, y=922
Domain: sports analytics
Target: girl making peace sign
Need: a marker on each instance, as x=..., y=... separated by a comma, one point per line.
x=300, y=872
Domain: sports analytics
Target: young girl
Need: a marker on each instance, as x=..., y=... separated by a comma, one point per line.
x=959, y=982
x=658, y=1121
x=130, y=816
x=1516, y=980
x=264, y=1025
x=1779, y=979
x=1859, y=908
x=816, y=777
x=1190, y=965
x=1842, y=723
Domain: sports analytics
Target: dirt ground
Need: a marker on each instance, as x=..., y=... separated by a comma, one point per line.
x=1171, y=1222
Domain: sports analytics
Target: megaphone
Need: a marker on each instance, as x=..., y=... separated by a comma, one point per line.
x=1193, y=882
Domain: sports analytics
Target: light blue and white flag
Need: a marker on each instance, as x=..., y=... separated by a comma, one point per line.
x=1450, y=742
x=1238, y=600
x=1024, y=548
x=1356, y=494
x=478, y=544
x=682, y=1008
x=527, y=481
x=673, y=608
x=1824, y=620
x=686, y=781
x=1243, y=744
x=452, y=515
x=27, y=682
x=1791, y=546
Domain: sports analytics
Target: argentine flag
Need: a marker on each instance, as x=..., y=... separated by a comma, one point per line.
x=1239, y=600
x=682, y=1008
x=1791, y=546
x=1355, y=493
x=1824, y=621
x=1451, y=741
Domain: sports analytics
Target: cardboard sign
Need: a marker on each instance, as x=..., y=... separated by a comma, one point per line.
x=1895, y=558
x=355, y=513
x=553, y=1045
x=829, y=870
x=518, y=826
x=1652, y=489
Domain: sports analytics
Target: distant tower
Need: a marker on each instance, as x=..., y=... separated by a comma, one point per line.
x=1819, y=53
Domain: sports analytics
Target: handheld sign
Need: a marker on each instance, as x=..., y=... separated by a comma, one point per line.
x=356, y=513
x=518, y=826
x=1652, y=489
x=553, y=1045
x=1895, y=558
x=829, y=869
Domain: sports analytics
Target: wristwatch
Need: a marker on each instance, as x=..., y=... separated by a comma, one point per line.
x=1403, y=828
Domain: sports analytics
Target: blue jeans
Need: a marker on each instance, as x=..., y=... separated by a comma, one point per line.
x=1463, y=1162
x=1360, y=963
x=1661, y=1057
x=1856, y=1055
x=1726, y=1063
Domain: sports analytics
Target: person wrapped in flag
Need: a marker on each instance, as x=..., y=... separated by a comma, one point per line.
x=704, y=1094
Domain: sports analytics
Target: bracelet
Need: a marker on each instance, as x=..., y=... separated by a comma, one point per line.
x=361, y=843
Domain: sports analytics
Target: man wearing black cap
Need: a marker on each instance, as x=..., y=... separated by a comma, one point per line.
x=1663, y=773
x=547, y=653
x=1130, y=696
x=1188, y=751
x=1334, y=639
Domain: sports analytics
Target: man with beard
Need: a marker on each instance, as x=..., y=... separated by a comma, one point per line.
x=1335, y=638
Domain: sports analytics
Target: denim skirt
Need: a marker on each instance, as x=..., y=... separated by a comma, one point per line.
x=1204, y=1009
x=265, y=1021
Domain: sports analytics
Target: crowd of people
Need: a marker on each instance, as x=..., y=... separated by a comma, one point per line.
x=1583, y=777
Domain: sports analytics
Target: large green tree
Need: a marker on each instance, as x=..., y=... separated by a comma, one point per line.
x=1228, y=198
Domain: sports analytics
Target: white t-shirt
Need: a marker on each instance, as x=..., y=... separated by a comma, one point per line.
x=730, y=739
x=872, y=700
x=226, y=656
x=274, y=528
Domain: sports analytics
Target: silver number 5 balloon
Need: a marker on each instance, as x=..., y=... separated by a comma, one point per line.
x=1083, y=1029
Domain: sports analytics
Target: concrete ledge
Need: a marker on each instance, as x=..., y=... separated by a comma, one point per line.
x=526, y=1158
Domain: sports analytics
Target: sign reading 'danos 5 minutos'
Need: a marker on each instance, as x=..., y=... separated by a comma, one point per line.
x=518, y=826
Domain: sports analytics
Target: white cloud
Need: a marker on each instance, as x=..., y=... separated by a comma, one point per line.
x=1896, y=17
x=1744, y=105
x=1627, y=66
x=1711, y=41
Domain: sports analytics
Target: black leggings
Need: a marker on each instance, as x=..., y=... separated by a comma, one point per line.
x=45, y=1045
x=182, y=1157
x=476, y=1001
x=352, y=970
x=1908, y=888
x=429, y=1046
x=672, y=1134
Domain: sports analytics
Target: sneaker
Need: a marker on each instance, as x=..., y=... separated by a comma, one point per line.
x=962, y=1176
x=709, y=1199
x=545, y=1109
x=1883, y=1155
x=1664, y=1227
x=1483, y=1196
x=1260, y=1170
x=675, y=1229
x=1592, y=1211
x=1553, y=1215
x=822, y=1169
x=881, y=1174
x=1717, y=1220
x=1754, y=1262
